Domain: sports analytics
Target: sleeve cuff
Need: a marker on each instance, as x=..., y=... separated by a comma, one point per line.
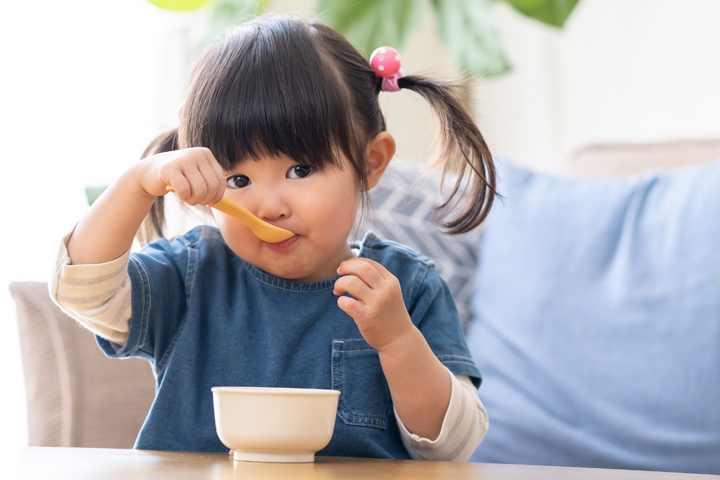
x=463, y=427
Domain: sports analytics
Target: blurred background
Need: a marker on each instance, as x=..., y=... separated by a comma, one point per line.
x=86, y=84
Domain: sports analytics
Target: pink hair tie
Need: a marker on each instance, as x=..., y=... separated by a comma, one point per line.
x=386, y=63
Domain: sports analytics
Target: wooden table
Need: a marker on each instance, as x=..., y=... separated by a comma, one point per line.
x=36, y=463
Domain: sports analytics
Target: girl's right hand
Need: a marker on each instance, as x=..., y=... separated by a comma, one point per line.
x=193, y=173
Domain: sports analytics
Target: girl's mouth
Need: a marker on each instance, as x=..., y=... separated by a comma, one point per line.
x=282, y=246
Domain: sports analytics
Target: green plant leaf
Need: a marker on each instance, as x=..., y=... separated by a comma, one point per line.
x=552, y=12
x=179, y=4
x=92, y=193
x=369, y=24
x=467, y=27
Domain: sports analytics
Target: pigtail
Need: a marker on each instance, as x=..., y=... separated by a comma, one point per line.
x=152, y=226
x=463, y=150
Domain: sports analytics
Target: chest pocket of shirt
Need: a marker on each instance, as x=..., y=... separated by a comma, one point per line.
x=364, y=393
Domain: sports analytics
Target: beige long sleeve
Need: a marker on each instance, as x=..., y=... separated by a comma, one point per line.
x=463, y=428
x=97, y=296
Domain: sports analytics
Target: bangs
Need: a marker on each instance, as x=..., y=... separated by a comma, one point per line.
x=267, y=89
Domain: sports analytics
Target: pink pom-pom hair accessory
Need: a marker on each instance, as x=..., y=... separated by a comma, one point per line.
x=386, y=63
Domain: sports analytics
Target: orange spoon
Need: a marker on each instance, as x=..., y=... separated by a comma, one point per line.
x=264, y=231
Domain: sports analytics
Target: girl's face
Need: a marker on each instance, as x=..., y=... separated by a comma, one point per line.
x=318, y=206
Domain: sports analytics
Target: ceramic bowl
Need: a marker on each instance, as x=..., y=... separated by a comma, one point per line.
x=274, y=424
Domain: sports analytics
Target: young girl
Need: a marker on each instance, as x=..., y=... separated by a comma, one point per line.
x=282, y=116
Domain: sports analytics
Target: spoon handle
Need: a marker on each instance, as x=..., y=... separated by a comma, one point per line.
x=265, y=231
x=236, y=210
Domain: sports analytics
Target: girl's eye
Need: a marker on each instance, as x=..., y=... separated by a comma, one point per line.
x=238, y=181
x=299, y=171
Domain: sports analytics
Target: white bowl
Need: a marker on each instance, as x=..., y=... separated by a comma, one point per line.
x=274, y=424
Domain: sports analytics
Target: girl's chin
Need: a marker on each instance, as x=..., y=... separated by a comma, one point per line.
x=292, y=273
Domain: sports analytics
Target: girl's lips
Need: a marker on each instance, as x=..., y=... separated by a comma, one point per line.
x=282, y=246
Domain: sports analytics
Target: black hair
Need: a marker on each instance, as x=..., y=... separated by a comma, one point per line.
x=279, y=84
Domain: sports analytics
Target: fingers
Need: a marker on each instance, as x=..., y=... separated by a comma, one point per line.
x=352, y=307
x=196, y=177
x=198, y=187
x=371, y=272
x=212, y=183
x=376, y=301
x=220, y=175
x=354, y=286
x=179, y=184
x=364, y=279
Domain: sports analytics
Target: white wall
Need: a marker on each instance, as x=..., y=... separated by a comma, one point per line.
x=621, y=70
x=84, y=85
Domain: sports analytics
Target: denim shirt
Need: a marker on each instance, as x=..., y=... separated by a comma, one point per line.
x=203, y=317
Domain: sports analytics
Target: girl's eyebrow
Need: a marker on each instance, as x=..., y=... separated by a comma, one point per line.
x=233, y=171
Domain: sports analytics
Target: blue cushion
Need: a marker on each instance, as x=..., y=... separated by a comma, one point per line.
x=597, y=321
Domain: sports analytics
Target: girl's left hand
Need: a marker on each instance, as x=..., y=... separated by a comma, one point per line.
x=377, y=307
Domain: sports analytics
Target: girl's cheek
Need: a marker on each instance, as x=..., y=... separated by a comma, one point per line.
x=232, y=230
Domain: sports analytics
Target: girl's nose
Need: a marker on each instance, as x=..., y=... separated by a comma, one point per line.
x=272, y=205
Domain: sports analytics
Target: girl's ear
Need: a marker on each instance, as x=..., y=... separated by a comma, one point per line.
x=380, y=151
